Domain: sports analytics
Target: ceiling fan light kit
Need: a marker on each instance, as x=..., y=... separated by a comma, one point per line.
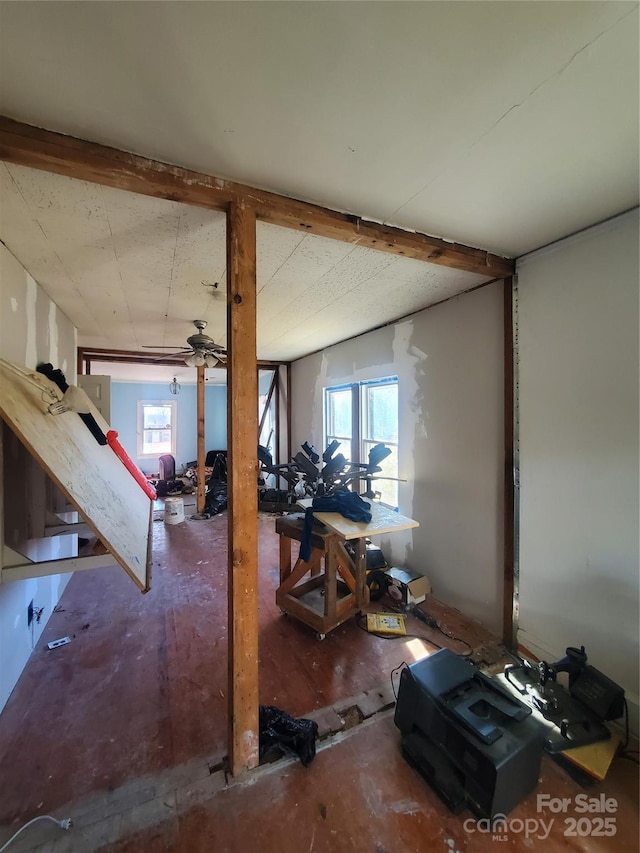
x=196, y=359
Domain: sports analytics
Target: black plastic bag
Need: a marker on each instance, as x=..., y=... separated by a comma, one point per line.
x=216, y=499
x=291, y=736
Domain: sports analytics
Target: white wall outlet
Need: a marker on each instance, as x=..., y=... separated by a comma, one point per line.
x=61, y=642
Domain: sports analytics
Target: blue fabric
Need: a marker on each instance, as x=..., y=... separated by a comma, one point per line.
x=348, y=504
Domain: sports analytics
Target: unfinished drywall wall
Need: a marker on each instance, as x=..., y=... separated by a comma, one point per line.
x=449, y=364
x=32, y=329
x=578, y=389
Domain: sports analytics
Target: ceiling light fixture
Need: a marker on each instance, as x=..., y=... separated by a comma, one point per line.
x=195, y=359
x=174, y=386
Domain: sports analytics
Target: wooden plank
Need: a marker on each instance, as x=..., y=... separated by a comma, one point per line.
x=85, y=355
x=300, y=569
x=345, y=606
x=242, y=432
x=87, y=161
x=362, y=590
x=306, y=586
x=302, y=611
x=330, y=591
x=383, y=520
x=293, y=527
x=91, y=476
x=347, y=576
x=595, y=759
x=285, y=558
x=200, y=500
x=509, y=624
x=25, y=570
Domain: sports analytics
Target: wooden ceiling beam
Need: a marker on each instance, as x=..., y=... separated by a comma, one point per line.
x=122, y=356
x=26, y=145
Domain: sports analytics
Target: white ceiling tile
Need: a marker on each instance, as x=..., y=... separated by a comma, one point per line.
x=139, y=275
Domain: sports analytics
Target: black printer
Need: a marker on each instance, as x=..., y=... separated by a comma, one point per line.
x=474, y=742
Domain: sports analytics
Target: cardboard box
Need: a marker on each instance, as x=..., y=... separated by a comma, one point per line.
x=407, y=586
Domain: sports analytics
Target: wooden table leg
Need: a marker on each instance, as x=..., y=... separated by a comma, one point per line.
x=362, y=596
x=285, y=558
x=330, y=581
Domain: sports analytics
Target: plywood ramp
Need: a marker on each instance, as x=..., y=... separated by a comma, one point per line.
x=90, y=475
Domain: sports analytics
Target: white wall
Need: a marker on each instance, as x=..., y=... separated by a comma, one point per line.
x=32, y=329
x=578, y=349
x=449, y=364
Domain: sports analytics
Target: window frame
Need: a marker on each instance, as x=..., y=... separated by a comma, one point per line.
x=173, y=406
x=352, y=440
x=359, y=422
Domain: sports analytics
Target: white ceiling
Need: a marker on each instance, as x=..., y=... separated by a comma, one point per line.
x=132, y=271
x=502, y=125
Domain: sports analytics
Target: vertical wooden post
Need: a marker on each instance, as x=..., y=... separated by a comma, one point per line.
x=289, y=418
x=242, y=442
x=509, y=628
x=360, y=562
x=200, y=502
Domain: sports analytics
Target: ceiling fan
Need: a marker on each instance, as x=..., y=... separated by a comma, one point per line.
x=202, y=351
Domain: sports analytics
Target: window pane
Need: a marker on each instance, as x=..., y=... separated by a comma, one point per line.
x=381, y=422
x=157, y=416
x=388, y=488
x=339, y=413
x=156, y=441
x=156, y=428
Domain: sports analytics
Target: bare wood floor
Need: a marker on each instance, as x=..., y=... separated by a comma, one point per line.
x=141, y=689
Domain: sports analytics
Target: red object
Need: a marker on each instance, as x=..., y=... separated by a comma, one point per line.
x=129, y=464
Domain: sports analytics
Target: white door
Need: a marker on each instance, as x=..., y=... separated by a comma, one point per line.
x=98, y=389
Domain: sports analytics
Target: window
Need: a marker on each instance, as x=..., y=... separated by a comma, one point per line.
x=267, y=412
x=379, y=423
x=156, y=428
x=360, y=416
x=339, y=417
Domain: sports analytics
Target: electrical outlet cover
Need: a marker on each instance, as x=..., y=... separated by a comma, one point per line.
x=61, y=642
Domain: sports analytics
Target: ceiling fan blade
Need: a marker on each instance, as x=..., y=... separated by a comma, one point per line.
x=162, y=346
x=172, y=356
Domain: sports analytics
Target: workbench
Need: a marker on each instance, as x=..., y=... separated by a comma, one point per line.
x=336, y=588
